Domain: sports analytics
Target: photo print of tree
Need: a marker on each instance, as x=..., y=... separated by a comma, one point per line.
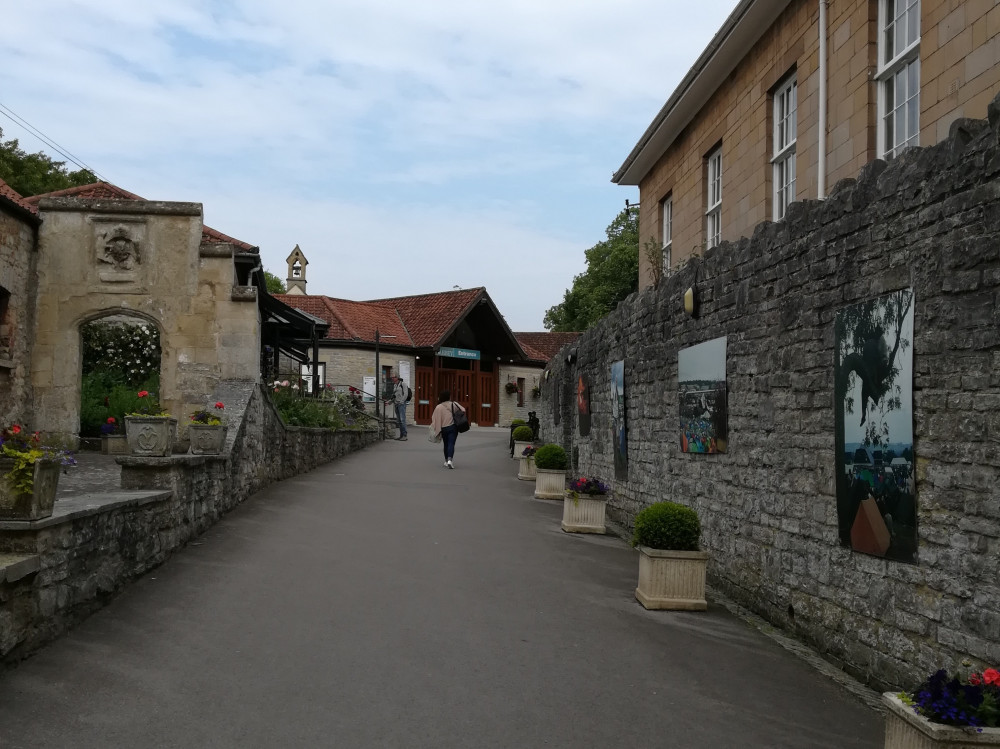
x=619, y=436
x=873, y=392
x=702, y=398
x=583, y=405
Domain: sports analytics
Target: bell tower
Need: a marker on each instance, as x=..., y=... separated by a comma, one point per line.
x=296, y=281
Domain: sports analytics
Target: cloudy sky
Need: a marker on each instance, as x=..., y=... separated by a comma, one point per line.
x=406, y=147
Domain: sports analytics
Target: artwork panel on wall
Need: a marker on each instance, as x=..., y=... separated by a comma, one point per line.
x=583, y=405
x=702, y=397
x=619, y=432
x=873, y=375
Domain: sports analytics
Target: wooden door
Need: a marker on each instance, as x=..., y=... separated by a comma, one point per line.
x=486, y=399
x=463, y=392
x=424, y=396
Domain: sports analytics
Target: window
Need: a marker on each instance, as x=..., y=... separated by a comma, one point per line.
x=713, y=203
x=5, y=326
x=305, y=373
x=898, y=76
x=667, y=212
x=783, y=160
x=520, y=391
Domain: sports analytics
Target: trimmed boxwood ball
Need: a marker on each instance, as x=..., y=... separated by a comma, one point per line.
x=523, y=434
x=668, y=526
x=551, y=458
x=517, y=422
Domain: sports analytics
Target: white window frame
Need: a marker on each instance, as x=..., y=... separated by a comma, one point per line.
x=713, y=194
x=898, y=76
x=305, y=374
x=667, y=226
x=784, y=137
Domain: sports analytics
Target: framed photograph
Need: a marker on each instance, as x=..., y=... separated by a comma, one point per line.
x=702, y=397
x=619, y=433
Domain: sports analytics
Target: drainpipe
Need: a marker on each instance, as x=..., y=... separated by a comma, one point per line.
x=821, y=171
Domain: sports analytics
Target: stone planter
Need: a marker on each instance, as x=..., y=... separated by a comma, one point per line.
x=114, y=444
x=672, y=579
x=584, y=514
x=206, y=439
x=549, y=484
x=904, y=729
x=526, y=469
x=151, y=436
x=519, y=448
x=36, y=505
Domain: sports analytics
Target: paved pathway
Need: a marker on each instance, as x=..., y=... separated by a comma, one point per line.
x=386, y=601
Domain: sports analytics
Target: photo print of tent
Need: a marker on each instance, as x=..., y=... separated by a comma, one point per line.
x=701, y=379
x=873, y=398
x=619, y=435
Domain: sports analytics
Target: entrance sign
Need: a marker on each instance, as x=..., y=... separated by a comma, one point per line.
x=368, y=389
x=458, y=353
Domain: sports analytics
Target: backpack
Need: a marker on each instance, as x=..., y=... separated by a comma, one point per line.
x=409, y=394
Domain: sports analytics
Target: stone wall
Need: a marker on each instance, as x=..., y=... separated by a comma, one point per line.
x=17, y=265
x=56, y=571
x=509, y=410
x=929, y=220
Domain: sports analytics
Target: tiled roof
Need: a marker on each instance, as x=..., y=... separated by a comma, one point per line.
x=428, y=317
x=543, y=346
x=353, y=321
x=12, y=195
x=108, y=191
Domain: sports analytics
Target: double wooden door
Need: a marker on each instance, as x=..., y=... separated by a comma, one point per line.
x=476, y=391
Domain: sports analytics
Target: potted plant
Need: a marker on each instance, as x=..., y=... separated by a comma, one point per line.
x=510, y=387
x=536, y=391
x=954, y=711
x=526, y=470
x=550, y=468
x=29, y=474
x=583, y=508
x=522, y=438
x=150, y=431
x=206, y=432
x=671, y=568
x=113, y=442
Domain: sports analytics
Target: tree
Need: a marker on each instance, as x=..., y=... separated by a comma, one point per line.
x=36, y=173
x=274, y=284
x=612, y=274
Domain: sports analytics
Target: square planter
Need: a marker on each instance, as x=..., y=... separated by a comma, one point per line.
x=206, y=439
x=526, y=469
x=519, y=448
x=672, y=579
x=584, y=514
x=151, y=436
x=549, y=484
x=36, y=505
x=114, y=444
x=904, y=729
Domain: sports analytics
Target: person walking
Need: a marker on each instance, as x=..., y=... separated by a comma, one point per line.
x=443, y=424
x=399, y=397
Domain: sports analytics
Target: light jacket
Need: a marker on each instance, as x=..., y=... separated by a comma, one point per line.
x=399, y=393
x=442, y=417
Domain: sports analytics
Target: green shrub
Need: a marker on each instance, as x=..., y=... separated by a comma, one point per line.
x=667, y=525
x=523, y=434
x=551, y=458
x=103, y=395
x=517, y=422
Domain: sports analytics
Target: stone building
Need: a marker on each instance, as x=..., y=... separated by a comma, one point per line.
x=792, y=96
x=455, y=340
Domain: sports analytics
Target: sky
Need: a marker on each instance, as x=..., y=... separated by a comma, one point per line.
x=407, y=148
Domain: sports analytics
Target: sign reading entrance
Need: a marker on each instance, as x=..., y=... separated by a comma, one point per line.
x=458, y=353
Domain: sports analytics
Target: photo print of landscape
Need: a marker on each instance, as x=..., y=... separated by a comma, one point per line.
x=701, y=381
x=619, y=435
x=873, y=381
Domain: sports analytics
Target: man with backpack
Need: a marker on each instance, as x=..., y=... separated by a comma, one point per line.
x=401, y=395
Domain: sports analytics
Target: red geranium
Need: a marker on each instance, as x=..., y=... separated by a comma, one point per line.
x=16, y=429
x=219, y=405
x=975, y=679
x=111, y=419
x=992, y=676
x=142, y=393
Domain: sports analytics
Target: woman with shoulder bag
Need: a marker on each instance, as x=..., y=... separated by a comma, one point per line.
x=443, y=424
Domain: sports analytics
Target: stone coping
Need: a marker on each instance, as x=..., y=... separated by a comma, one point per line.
x=84, y=505
x=15, y=566
x=672, y=554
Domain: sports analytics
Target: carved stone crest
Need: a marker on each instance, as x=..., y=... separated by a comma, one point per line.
x=120, y=250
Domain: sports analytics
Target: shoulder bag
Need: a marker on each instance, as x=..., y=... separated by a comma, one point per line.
x=460, y=419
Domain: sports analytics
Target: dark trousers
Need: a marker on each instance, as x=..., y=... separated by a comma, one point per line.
x=448, y=436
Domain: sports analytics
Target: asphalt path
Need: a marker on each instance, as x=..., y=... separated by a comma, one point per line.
x=384, y=600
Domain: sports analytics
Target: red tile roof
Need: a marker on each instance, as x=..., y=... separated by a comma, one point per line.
x=108, y=191
x=543, y=346
x=429, y=317
x=12, y=195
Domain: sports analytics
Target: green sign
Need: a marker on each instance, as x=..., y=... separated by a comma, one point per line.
x=458, y=353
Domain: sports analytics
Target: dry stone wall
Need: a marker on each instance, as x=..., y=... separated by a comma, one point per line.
x=929, y=220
